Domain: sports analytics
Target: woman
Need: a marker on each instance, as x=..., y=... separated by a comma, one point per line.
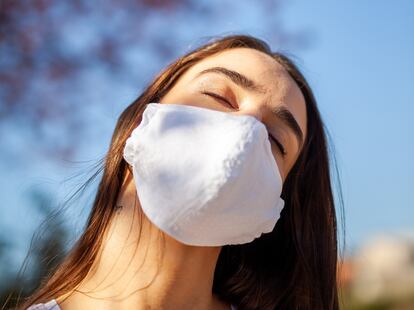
x=119, y=262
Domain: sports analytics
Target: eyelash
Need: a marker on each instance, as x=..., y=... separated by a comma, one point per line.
x=218, y=97
x=280, y=146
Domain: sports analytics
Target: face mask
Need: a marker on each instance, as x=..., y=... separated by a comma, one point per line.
x=205, y=177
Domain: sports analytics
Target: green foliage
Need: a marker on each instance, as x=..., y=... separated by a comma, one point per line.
x=351, y=303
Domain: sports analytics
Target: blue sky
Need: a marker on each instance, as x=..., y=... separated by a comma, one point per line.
x=361, y=69
x=360, y=66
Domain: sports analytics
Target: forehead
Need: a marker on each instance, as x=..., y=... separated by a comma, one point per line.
x=263, y=70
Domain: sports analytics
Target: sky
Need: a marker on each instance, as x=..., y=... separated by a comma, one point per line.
x=360, y=66
x=361, y=69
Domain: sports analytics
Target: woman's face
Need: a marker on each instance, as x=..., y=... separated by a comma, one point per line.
x=249, y=83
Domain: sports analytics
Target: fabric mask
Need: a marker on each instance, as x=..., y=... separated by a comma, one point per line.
x=205, y=177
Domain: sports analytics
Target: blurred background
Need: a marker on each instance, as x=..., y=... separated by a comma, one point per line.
x=68, y=69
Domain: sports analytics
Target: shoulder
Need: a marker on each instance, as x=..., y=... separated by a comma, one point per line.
x=50, y=305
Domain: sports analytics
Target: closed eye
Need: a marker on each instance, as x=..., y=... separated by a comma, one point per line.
x=214, y=95
x=279, y=145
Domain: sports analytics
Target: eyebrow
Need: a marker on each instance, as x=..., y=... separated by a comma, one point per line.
x=281, y=112
x=238, y=78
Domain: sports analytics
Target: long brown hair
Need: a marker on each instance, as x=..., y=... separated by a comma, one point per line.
x=293, y=267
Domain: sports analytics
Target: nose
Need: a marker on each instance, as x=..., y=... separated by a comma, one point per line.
x=255, y=112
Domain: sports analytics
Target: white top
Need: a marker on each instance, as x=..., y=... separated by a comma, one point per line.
x=52, y=305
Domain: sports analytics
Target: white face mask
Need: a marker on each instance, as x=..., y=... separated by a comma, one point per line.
x=205, y=177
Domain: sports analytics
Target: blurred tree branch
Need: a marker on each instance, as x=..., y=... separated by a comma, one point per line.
x=55, y=56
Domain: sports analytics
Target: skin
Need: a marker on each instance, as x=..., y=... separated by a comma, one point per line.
x=123, y=277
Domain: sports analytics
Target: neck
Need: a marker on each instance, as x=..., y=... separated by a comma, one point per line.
x=139, y=267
